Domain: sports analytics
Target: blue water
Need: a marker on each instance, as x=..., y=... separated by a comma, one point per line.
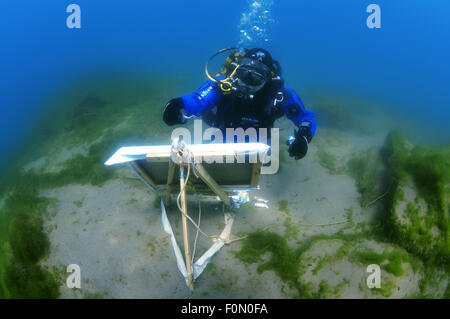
x=322, y=44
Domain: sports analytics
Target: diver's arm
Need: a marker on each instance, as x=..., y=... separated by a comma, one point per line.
x=303, y=119
x=178, y=110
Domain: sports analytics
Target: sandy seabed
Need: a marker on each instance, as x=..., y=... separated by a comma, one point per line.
x=114, y=233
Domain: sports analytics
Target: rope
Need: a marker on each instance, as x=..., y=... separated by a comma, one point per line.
x=196, y=235
x=310, y=225
x=340, y=222
x=321, y=225
x=379, y=197
x=236, y=239
x=197, y=225
x=213, y=238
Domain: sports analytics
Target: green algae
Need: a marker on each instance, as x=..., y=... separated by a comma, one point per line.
x=326, y=291
x=365, y=169
x=25, y=244
x=429, y=169
x=29, y=281
x=282, y=260
x=283, y=206
x=387, y=288
x=389, y=261
x=340, y=253
x=271, y=252
x=328, y=161
x=95, y=120
x=88, y=169
x=290, y=231
x=157, y=202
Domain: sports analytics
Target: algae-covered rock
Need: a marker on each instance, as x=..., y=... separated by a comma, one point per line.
x=367, y=171
x=418, y=210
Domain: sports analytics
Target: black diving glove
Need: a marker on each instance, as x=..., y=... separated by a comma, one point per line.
x=299, y=147
x=174, y=112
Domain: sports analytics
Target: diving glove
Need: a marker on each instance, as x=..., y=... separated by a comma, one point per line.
x=174, y=112
x=298, y=147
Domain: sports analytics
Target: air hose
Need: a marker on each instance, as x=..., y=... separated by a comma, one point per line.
x=225, y=84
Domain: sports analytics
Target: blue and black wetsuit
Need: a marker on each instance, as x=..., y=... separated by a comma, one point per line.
x=224, y=111
x=248, y=93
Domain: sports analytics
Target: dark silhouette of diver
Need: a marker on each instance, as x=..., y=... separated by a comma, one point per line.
x=248, y=92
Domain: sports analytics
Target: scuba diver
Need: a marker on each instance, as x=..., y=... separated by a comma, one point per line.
x=248, y=92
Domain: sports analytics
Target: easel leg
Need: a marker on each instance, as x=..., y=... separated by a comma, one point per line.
x=185, y=230
x=170, y=175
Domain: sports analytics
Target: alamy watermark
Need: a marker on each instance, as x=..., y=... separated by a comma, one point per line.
x=73, y=21
x=374, y=19
x=74, y=279
x=250, y=135
x=374, y=279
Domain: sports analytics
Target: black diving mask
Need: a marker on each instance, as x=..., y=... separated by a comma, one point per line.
x=251, y=76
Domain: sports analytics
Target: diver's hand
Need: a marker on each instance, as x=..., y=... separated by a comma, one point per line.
x=299, y=147
x=174, y=112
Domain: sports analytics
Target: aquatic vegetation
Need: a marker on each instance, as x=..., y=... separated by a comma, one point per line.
x=342, y=251
x=249, y=208
x=304, y=180
x=290, y=231
x=387, y=288
x=29, y=281
x=365, y=168
x=283, y=206
x=271, y=252
x=417, y=214
x=388, y=261
x=94, y=118
x=78, y=203
x=283, y=260
x=95, y=295
x=327, y=291
x=27, y=239
x=447, y=292
x=117, y=114
x=329, y=160
x=157, y=202
x=349, y=215
x=25, y=243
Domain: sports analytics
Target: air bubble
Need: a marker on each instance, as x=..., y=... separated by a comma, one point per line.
x=255, y=23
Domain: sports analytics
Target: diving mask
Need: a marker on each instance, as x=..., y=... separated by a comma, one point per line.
x=251, y=76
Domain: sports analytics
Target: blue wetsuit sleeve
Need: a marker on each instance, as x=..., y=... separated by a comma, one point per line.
x=207, y=96
x=296, y=111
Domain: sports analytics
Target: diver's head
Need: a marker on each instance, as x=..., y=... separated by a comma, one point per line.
x=260, y=55
x=253, y=73
x=251, y=76
x=247, y=72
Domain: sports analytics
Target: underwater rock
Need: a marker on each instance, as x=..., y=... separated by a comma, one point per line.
x=417, y=215
x=367, y=170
